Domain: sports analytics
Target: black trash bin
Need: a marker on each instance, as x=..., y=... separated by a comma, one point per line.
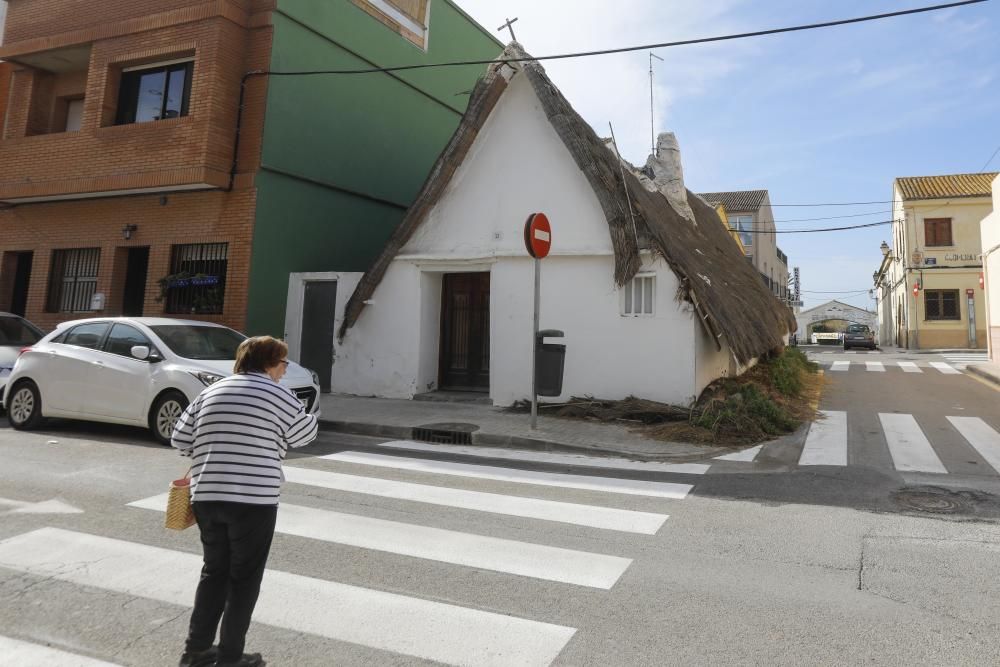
x=550, y=361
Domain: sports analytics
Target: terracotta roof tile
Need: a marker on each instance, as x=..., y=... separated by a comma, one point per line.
x=951, y=185
x=739, y=201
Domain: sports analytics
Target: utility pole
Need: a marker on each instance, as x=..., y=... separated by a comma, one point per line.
x=652, y=121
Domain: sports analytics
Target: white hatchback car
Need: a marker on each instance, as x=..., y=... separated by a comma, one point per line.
x=128, y=370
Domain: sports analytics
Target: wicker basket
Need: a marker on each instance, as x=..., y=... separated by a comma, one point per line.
x=180, y=514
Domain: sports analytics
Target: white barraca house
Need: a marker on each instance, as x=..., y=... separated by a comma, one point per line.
x=653, y=295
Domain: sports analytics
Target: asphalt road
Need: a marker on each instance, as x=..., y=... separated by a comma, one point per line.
x=388, y=555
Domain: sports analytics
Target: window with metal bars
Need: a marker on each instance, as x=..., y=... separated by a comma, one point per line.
x=941, y=304
x=637, y=296
x=73, y=279
x=197, y=280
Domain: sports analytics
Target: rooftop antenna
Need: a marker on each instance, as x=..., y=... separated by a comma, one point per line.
x=509, y=25
x=652, y=129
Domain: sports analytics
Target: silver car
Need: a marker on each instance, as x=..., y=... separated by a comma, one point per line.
x=16, y=333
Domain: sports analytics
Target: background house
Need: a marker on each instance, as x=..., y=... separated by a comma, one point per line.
x=117, y=166
x=749, y=213
x=654, y=297
x=990, y=230
x=832, y=317
x=936, y=247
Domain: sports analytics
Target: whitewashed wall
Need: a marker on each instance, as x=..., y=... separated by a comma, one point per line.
x=710, y=362
x=393, y=350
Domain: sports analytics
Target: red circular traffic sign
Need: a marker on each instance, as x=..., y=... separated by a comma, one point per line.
x=537, y=235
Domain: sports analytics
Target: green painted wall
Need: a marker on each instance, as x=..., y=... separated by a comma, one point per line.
x=343, y=155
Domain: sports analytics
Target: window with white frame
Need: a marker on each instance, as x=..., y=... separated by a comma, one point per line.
x=744, y=225
x=638, y=296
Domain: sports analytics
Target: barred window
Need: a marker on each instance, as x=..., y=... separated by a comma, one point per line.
x=72, y=279
x=197, y=280
x=638, y=296
x=941, y=304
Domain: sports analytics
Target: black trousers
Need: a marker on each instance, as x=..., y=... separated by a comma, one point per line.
x=236, y=538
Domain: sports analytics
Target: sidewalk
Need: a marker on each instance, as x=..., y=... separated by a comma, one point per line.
x=391, y=418
x=989, y=372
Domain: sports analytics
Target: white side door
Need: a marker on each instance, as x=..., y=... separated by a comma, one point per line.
x=66, y=382
x=121, y=383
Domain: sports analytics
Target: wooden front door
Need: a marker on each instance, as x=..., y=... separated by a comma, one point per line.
x=465, y=332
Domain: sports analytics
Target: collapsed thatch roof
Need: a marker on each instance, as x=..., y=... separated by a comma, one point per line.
x=726, y=291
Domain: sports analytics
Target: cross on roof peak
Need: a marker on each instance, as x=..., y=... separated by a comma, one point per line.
x=509, y=25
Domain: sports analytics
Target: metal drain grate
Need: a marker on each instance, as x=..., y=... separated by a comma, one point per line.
x=935, y=500
x=445, y=434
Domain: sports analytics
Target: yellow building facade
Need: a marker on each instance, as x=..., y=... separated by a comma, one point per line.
x=929, y=286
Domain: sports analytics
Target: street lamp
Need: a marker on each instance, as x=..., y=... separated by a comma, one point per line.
x=884, y=248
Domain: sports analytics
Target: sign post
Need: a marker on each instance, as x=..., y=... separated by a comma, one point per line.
x=538, y=241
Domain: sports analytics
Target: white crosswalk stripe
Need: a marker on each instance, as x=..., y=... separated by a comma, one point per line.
x=908, y=446
x=875, y=366
x=377, y=619
x=745, y=455
x=826, y=443
x=983, y=439
x=607, y=518
x=945, y=368
x=613, y=463
x=447, y=546
x=909, y=367
x=19, y=653
x=609, y=484
x=840, y=366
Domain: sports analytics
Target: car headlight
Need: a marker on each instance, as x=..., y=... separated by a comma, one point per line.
x=206, y=377
x=315, y=377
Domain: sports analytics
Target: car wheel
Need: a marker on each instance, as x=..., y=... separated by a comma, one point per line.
x=24, y=410
x=165, y=412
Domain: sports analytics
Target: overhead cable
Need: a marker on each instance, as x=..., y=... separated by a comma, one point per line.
x=643, y=47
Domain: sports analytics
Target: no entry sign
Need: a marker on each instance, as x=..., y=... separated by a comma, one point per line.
x=537, y=235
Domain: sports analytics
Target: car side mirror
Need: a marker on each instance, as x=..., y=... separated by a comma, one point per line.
x=141, y=352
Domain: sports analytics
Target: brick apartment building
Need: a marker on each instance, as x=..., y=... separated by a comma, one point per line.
x=119, y=193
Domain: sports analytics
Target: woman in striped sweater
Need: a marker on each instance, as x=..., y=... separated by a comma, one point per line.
x=237, y=433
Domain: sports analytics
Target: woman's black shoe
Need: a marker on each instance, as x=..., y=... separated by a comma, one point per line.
x=199, y=658
x=248, y=660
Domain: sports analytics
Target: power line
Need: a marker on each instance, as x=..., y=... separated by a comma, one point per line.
x=626, y=49
x=845, y=203
x=983, y=168
x=858, y=291
x=813, y=231
x=836, y=217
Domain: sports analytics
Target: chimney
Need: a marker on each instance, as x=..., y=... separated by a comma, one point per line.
x=667, y=174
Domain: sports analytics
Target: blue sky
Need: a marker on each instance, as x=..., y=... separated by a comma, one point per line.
x=829, y=115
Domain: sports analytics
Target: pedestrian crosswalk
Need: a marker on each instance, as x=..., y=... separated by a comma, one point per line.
x=16, y=652
x=962, y=359
x=952, y=445
x=909, y=447
x=324, y=508
x=904, y=366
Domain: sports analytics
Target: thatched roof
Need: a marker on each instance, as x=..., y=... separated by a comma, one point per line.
x=727, y=293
